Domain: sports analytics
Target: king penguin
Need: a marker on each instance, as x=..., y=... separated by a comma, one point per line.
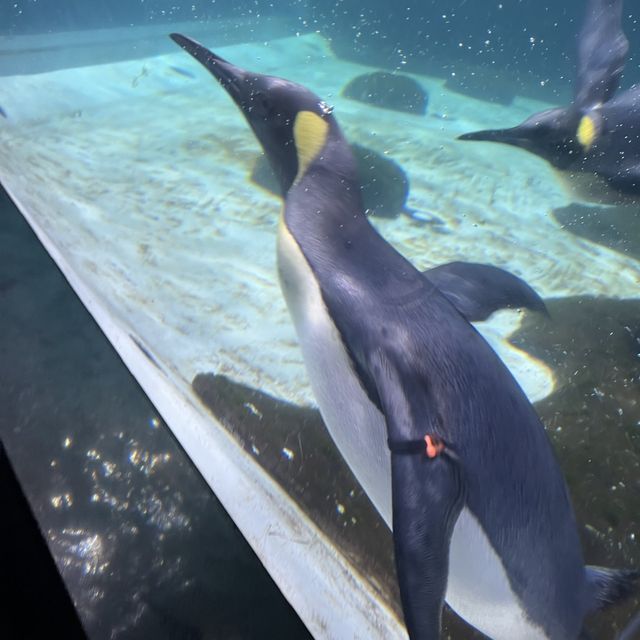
x=432, y=423
x=599, y=132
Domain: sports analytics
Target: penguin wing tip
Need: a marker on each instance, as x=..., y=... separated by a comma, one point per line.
x=480, y=136
x=180, y=39
x=534, y=302
x=611, y=586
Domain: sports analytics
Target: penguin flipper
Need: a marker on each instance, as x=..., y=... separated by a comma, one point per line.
x=611, y=586
x=602, y=51
x=477, y=290
x=428, y=493
x=427, y=499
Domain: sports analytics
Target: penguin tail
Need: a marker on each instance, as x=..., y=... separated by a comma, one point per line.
x=611, y=586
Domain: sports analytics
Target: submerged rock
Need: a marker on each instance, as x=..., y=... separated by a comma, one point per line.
x=385, y=186
x=263, y=175
x=615, y=227
x=388, y=90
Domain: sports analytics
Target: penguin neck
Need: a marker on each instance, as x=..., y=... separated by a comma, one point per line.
x=323, y=214
x=324, y=207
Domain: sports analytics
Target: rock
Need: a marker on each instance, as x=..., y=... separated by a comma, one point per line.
x=392, y=91
x=263, y=175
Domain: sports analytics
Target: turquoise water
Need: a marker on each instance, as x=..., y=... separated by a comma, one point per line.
x=143, y=182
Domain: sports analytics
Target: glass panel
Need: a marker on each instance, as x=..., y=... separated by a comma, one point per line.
x=147, y=187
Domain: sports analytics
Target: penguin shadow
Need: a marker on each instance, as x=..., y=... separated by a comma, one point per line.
x=616, y=227
x=384, y=183
x=593, y=418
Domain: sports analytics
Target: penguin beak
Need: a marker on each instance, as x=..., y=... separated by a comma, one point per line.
x=507, y=136
x=269, y=105
x=232, y=78
x=547, y=134
x=524, y=136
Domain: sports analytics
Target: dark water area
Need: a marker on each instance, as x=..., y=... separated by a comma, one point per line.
x=529, y=45
x=144, y=547
x=45, y=16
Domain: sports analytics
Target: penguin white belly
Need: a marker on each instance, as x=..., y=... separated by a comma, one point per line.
x=478, y=588
x=354, y=422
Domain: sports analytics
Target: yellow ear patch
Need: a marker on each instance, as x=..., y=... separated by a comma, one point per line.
x=309, y=134
x=587, y=132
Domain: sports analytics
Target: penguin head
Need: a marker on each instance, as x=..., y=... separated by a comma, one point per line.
x=552, y=134
x=291, y=123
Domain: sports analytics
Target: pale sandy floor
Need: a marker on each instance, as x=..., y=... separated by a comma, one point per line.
x=139, y=173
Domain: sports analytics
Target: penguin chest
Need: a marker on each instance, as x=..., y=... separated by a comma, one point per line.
x=478, y=587
x=354, y=422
